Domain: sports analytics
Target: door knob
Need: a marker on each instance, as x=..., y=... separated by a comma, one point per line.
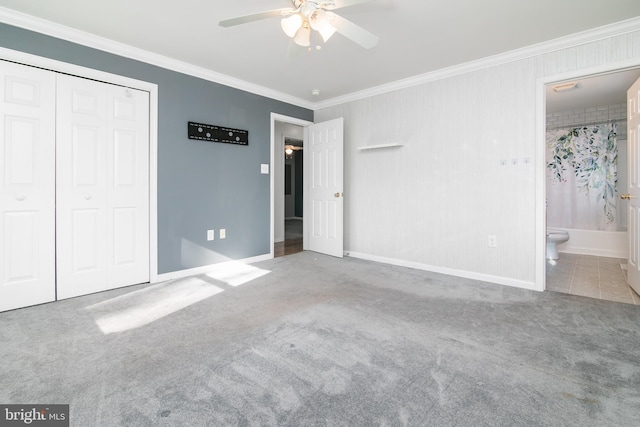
x=338, y=195
x=626, y=196
x=87, y=196
x=20, y=197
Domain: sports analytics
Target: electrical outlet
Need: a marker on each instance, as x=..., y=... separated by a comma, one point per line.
x=493, y=242
x=223, y=233
x=211, y=234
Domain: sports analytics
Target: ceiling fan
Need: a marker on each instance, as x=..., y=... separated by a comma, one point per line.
x=291, y=145
x=289, y=149
x=304, y=16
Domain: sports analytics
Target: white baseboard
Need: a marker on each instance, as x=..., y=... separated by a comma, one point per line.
x=208, y=268
x=392, y=261
x=448, y=271
x=606, y=253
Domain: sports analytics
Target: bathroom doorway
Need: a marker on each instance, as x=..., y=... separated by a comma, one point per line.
x=593, y=261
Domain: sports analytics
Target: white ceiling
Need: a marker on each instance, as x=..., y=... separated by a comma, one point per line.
x=606, y=89
x=416, y=36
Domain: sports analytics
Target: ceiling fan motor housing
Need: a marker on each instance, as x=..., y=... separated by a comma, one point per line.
x=308, y=7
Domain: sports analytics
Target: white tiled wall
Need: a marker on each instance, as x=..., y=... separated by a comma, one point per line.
x=591, y=115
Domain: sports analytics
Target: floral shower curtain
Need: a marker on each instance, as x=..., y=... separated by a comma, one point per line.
x=582, y=172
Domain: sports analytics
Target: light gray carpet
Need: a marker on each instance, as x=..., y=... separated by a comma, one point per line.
x=314, y=340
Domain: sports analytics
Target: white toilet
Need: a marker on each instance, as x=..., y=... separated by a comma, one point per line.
x=555, y=237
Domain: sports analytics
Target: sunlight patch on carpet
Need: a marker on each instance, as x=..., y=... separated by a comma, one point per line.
x=139, y=308
x=235, y=273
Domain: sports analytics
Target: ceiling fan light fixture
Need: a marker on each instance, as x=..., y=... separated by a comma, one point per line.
x=319, y=19
x=326, y=32
x=306, y=22
x=565, y=87
x=321, y=22
x=303, y=36
x=291, y=24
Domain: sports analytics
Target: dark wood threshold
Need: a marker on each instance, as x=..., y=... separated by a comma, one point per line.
x=288, y=247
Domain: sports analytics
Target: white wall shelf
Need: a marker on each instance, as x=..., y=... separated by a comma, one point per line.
x=377, y=146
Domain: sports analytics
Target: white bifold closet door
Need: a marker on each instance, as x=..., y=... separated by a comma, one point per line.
x=102, y=180
x=74, y=186
x=27, y=186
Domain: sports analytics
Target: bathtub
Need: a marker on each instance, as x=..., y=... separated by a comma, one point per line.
x=611, y=244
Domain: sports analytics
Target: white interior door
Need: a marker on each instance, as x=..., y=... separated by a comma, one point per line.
x=27, y=185
x=633, y=132
x=103, y=186
x=323, y=195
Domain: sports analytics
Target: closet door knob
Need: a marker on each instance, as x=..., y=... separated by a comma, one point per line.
x=87, y=196
x=626, y=196
x=20, y=197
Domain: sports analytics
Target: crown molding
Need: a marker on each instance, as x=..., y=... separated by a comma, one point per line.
x=42, y=26
x=28, y=22
x=573, y=40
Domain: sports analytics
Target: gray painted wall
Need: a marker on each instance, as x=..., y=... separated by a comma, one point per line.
x=200, y=185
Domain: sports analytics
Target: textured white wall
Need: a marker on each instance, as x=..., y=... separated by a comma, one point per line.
x=467, y=169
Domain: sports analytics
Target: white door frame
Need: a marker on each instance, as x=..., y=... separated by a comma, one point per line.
x=275, y=117
x=152, y=88
x=540, y=171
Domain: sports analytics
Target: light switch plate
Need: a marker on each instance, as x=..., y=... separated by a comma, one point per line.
x=264, y=168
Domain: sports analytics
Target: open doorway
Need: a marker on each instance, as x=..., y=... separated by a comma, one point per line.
x=293, y=198
x=287, y=185
x=591, y=109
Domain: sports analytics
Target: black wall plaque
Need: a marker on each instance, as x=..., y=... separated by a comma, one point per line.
x=204, y=132
x=234, y=136
x=212, y=133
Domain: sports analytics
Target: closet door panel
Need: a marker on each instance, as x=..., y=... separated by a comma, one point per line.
x=81, y=214
x=103, y=186
x=27, y=185
x=128, y=177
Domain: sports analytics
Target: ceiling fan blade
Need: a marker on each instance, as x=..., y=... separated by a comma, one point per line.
x=353, y=32
x=338, y=4
x=256, y=17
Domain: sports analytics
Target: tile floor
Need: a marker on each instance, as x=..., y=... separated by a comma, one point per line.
x=591, y=276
